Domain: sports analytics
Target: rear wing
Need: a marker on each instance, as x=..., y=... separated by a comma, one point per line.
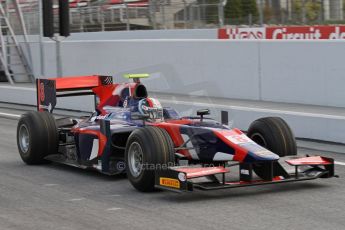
x=49, y=89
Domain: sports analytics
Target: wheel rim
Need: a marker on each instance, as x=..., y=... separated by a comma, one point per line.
x=135, y=159
x=259, y=139
x=24, y=138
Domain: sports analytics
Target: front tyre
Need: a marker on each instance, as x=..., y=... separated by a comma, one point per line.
x=36, y=137
x=274, y=134
x=146, y=149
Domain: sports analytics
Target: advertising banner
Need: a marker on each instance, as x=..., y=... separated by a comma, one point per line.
x=284, y=33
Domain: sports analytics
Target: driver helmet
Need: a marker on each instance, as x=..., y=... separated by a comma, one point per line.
x=151, y=107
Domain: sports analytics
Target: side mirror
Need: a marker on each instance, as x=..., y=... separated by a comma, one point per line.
x=202, y=112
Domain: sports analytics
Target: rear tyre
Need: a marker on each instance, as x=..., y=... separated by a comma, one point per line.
x=274, y=134
x=37, y=137
x=51, y=132
x=147, y=148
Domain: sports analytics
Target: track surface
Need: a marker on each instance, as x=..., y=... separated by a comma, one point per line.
x=60, y=197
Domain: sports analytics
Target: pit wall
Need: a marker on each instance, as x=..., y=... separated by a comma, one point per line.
x=195, y=62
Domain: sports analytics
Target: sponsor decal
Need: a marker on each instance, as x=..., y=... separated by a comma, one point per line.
x=242, y=33
x=42, y=96
x=239, y=139
x=284, y=33
x=99, y=117
x=169, y=182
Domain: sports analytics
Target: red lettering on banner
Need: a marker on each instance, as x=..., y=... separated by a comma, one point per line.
x=241, y=33
x=306, y=32
x=285, y=33
x=222, y=34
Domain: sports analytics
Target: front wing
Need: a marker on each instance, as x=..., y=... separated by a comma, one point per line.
x=188, y=178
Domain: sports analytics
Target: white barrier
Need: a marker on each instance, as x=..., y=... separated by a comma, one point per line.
x=307, y=72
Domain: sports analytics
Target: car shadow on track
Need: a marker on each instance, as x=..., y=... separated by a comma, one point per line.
x=66, y=169
x=258, y=192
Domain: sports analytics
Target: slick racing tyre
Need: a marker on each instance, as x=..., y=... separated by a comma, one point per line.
x=147, y=148
x=37, y=137
x=274, y=134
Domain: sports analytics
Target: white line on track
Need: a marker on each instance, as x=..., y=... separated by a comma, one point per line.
x=339, y=163
x=50, y=185
x=76, y=199
x=113, y=209
x=16, y=87
x=9, y=115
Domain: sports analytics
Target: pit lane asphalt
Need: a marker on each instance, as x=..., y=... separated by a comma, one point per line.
x=60, y=197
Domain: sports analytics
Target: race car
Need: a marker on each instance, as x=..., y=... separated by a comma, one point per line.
x=130, y=132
